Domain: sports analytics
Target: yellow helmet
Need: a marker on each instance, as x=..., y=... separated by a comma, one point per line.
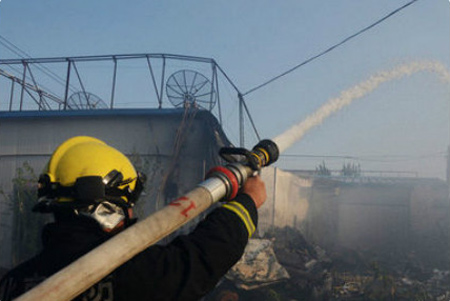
x=84, y=170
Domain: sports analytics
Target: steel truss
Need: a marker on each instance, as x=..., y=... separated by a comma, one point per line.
x=35, y=79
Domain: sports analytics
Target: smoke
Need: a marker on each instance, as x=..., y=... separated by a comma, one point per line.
x=295, y=133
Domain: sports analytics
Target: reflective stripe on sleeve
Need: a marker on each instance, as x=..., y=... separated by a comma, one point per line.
x=243, y=215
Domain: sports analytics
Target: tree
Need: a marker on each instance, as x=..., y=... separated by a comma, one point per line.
x=322, y=170
x=351, y=170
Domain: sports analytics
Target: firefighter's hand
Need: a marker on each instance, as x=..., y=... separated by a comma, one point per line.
x=256, y=189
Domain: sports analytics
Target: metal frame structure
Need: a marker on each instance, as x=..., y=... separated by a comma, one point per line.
x=71, y=63
x=22, y=72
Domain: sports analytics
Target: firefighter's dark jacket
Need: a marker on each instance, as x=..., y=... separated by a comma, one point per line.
x=185, y=269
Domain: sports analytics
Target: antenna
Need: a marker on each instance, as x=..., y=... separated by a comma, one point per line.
x=85, y=101
x=187, y=87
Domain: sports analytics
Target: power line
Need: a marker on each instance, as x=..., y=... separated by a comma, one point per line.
x=371, y=158
x=331, y=48
x=22, y=54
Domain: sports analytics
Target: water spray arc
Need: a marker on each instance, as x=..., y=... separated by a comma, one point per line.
x=296, y=132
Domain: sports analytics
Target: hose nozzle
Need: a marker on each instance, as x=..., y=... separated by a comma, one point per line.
x=243, y=163
x=263, y=154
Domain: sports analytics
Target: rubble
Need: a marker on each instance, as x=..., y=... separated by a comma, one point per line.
x=258, y=267
x=338, y=274
x=306, y=275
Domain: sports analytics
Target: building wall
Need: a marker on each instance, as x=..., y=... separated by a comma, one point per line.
x=288, y=200
x=396, y=215
x=173, y=147
x=430, y=226
x=372, y=216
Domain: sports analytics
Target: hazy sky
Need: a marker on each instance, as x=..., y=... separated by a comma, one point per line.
x=401, y=126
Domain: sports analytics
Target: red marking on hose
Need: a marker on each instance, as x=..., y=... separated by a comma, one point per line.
x=185, y=211
x=191, y=206
x=177, y=201
x=230, y=176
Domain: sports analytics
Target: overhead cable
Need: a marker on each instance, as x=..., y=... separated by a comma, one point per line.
x=22, y=54
x=372, y=158
x=331, y=48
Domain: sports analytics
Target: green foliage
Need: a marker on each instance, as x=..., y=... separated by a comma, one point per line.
x=27, y=225
x=152, y=168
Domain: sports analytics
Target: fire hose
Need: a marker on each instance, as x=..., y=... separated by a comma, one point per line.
x=222, y=183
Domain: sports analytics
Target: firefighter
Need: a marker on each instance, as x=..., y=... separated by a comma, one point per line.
x=90, y=187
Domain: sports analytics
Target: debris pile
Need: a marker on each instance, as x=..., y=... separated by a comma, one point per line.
x=378, y=285
x=258, y=267
x=285, y=266
x=296, y=270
